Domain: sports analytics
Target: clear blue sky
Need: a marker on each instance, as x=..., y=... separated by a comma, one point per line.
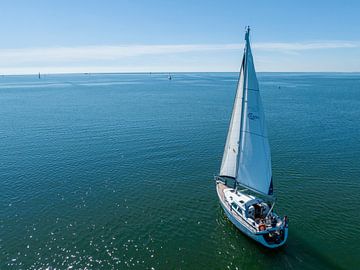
x=139, y=35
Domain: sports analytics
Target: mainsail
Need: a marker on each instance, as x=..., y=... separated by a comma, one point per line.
x=247, y=152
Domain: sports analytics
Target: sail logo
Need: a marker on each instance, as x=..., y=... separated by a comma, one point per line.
x=252, y=116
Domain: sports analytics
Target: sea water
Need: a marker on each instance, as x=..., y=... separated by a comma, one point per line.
x=115, y=171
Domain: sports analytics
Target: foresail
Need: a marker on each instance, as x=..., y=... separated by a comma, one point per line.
x=230, y=157
x=254, y=164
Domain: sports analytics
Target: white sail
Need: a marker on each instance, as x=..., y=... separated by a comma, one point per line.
x=252, y=156
x=231, y=151
x=254, y=163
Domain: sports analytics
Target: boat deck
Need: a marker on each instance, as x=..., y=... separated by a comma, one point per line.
x=221, y=188
x=221, y=193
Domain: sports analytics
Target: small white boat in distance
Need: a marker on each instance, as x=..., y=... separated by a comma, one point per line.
x=246, y=164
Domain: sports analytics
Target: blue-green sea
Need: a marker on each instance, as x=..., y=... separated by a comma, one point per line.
x=115, y=171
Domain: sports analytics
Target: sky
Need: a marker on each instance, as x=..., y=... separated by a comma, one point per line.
x=177, y=36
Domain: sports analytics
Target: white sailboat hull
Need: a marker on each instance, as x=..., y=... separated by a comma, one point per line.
x=244, y=227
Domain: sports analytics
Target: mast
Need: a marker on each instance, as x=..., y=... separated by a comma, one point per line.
x=247, y=33
x=247, y=156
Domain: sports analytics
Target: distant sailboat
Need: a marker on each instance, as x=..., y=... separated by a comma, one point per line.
x=247, y=162
x=39, y=75
x=169, y=77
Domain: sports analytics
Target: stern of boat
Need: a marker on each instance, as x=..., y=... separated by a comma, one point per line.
x=274, y=239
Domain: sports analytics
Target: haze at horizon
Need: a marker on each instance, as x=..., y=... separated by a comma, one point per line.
x=181, y=36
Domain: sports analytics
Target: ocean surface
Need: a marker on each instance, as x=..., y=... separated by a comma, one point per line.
x=115, y=171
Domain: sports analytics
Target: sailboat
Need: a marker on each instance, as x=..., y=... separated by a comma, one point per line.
x=244, y=184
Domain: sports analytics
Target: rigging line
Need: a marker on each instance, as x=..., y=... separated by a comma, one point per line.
x=251, y=89
x=253, y=133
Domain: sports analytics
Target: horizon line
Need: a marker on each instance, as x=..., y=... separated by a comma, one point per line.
x=159, y=72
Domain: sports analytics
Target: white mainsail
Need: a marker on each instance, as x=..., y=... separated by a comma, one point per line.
x=247, y=152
